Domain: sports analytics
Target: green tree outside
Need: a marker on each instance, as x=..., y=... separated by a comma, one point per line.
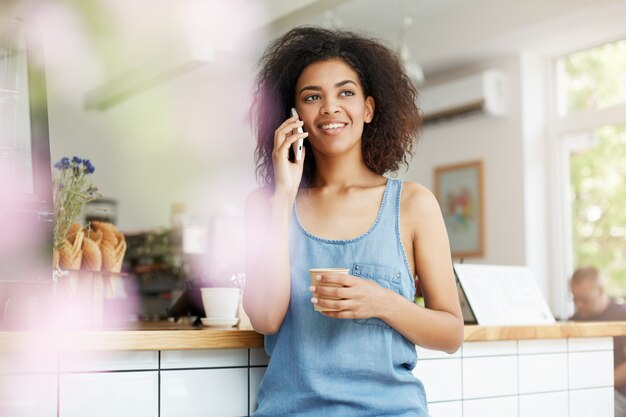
x=595, y=79
x=598, y=185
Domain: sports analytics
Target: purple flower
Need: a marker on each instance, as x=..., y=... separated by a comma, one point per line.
x=63, y=163
x=89, y=168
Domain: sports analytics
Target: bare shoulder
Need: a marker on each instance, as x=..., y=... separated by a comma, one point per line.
x=259, y=194
x=258, y=200
x=418, y=200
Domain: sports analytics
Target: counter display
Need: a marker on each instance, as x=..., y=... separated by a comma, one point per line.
x=167, y=370
x=170, y=336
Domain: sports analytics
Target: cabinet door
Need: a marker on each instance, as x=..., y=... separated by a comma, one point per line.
x=543, y=373
x=486, y=377
x=442, y=378
x=107, y=394
x=446, y=409
x=28, y=395
x=597, y=402
x=256, y=375
x=500, y=407
x=204, y=392
x=553, y=404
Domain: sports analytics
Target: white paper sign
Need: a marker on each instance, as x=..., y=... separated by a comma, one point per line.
x=503, y=295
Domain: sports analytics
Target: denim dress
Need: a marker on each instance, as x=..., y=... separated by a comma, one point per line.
x=326, y=367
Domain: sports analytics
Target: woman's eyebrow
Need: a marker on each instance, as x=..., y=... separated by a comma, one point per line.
x=317, y=88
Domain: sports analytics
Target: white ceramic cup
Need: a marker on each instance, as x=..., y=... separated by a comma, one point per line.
x=220, y=303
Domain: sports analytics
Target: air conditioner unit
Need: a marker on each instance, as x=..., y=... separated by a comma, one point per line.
x=483, y=93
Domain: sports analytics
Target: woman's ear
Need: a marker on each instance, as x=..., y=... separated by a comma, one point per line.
x=369, y=109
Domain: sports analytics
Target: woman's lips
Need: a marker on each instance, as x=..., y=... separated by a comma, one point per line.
x=332, y=128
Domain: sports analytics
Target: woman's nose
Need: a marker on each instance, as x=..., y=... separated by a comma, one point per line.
x=329, y=107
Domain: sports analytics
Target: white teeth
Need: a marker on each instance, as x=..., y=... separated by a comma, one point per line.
x=333, y=126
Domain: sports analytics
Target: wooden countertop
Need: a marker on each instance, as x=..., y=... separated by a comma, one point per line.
x=170, y=336
x=139, y=336
x=558, y=330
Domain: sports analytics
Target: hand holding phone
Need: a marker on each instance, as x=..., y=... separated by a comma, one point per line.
x=297, y=145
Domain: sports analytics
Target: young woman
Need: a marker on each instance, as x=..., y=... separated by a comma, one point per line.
x=334, y=208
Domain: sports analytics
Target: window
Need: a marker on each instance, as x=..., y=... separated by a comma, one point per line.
x=591, y=101
x=592, y=79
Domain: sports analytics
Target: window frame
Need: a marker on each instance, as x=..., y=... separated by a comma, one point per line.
x=560, y=215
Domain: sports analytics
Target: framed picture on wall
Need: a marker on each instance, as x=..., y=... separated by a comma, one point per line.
x=459, y=190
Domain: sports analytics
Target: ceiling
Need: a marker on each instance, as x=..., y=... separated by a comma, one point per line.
x=446, y=34
x=384, y=19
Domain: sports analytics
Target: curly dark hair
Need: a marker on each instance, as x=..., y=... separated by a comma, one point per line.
x=387, y=140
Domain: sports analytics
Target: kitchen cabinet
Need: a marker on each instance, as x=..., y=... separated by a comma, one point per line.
x=106, y=394
x=562, y=370
x=559, y=377
x=551, y=404
x=28, y=384
x=28, y=395
x=204, y=392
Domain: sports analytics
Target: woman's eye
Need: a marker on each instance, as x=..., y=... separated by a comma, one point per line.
x=347, y=93
x=312, y=97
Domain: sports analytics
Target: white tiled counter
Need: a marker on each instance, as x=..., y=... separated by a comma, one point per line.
x=185, y=383
x=564, y=370
x=565, y=377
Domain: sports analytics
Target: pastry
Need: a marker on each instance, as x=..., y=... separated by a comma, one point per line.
x=70, y=254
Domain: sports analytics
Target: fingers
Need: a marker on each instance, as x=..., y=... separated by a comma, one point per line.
x=282, y=150
x=339, y=305
x=344, y=280
x=326, y=291
x=340, y=314
x=285, y=130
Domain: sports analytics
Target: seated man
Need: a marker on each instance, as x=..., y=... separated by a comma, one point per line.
x=593, y=304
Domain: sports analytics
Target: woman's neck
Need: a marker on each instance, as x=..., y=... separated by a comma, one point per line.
x=341, y=173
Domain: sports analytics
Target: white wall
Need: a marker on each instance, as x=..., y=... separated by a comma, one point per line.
x=186, y=140
x=498, y=143
x=182, y=141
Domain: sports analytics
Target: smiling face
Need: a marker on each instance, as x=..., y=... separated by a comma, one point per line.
x=331, y=102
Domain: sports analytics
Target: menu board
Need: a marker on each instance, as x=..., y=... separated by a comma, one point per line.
x=503, y=295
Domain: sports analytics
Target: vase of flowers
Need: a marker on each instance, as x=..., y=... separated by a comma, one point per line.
x=70, y=192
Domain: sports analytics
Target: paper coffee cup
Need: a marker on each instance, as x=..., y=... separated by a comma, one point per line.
x=321, y=271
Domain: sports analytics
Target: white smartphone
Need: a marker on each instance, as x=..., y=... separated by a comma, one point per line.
x=297, y=145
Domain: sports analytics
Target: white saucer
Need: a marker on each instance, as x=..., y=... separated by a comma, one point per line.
x=219, y=322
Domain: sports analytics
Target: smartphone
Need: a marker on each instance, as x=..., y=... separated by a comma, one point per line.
x=297, y=145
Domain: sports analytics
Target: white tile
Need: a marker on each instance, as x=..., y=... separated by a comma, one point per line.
x=441, y=378
x=28, y=362
x=28, y=395
x=590, y=343
x=258, y=357
x=204, y=393
x=542, y=373
x=553, y=404
x=86, y=361
x=256, y=375
x=109, y=394
x=542, y=346
x=489, y=377
x=500, y=407
x=590, y=369
x=209, y=358
x=495, y=348
x=423, y=353
x=596, y=402
x=446, y=409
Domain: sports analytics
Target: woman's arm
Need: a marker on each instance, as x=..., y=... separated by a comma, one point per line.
x=440, y=324
x=267, y=214
x=268, y=284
